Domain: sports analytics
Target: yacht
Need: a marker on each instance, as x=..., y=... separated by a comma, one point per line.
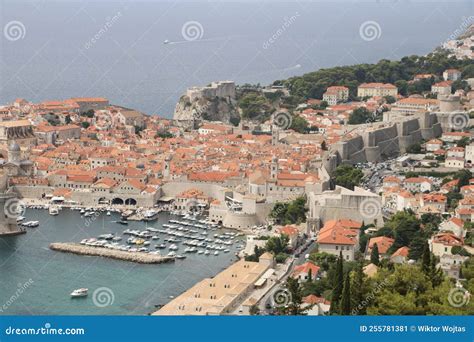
x=31, y=224
x=172, y=254
x=150, y=215
x=79, y=293
x=216, y=253
x=207, y=252
x=173, y=247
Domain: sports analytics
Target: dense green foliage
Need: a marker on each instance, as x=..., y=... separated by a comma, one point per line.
x=254, y=105
x=360, y=115
x=299, y=124
x=419, y=289
x=314, y=84
x=405, y=228
x=347, y=176
x=277, y=245
x=293, y=212
x=374, y=255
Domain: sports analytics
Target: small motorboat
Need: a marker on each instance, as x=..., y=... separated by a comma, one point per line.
x=79, y=293
x=122, y=222
x=31, y=224
x=108, y=213
x=53, y=211
x=179, y=256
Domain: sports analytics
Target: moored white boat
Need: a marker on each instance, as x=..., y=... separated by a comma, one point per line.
x=79, y=293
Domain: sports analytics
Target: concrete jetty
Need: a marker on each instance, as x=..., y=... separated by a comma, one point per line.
x=139, y=257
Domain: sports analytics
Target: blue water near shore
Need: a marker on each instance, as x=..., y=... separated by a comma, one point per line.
x=136, y=288
x=129, y=64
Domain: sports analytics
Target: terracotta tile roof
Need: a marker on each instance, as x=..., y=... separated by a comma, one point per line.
x=402, y=251
x=313, y=299
x=340, y=232
x=447, y=239
x=304, y=268
x=383, y=243
x=288, y=230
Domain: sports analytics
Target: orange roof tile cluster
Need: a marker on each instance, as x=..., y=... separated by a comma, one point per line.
x=383, y=244
x=305, y=268
x=340, y=232
x=447, y=239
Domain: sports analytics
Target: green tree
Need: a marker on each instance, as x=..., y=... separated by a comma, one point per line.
x=294, y=307
x=390, y=99
x=293, y=212
x=358, y=289
x=277, y=244
x=299, y=124
x=359, y=116
x=310, y=276
x=374, y=255
x=347, y=176
x=463, y=175
x=414, y=148
x=426, y=260
x=346, y=297
x=338, y=285
x=405, y=227
x=253, y=105
x=463, y=142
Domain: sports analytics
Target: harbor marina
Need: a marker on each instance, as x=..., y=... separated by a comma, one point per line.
x=137, y=287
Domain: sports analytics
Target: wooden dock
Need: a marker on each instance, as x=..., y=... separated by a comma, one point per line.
x=138, y=257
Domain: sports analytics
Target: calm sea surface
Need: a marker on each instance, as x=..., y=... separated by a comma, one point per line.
x=115, y=48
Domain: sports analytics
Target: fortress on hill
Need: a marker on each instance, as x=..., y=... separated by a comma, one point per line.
x=223, y=89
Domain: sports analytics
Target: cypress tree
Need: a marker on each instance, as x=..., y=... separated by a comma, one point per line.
x=426, y=259
x=436, y=274
x=346, y=296
x=338, y=284
x=358, y=289
x=310, y=276
x=374, y=255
